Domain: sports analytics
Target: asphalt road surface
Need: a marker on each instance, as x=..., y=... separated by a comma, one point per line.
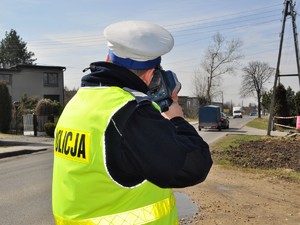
x=25, y=190
x=235, y=126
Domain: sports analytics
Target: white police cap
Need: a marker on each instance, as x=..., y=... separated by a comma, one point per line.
x=137, y=44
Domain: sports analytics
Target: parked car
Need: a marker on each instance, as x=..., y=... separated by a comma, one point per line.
x=224, y=121
x=253, y=114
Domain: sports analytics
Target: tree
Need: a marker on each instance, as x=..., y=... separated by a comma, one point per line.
x=290, y=95
x=13, y=51
x=5, y=108
x=281, y=108
x=266, y=100
x=220, y=58
x=200, y=86
x=256, y=74
x=297, y=103
x=68, y=94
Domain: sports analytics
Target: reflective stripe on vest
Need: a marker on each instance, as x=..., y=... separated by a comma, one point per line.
x=140, y=216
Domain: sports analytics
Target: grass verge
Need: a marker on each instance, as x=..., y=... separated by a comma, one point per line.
x=263, y=123
x=259, y=123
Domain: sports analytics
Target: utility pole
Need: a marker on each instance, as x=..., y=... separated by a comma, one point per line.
x=288, y=11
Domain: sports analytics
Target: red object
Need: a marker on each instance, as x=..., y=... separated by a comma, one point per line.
x=298, y=123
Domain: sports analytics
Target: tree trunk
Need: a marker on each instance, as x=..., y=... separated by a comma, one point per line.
x=259, y=105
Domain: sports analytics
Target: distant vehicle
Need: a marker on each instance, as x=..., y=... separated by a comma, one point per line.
x=237, y=112
x=210, y=117
x=253, y=114
x=224, y=121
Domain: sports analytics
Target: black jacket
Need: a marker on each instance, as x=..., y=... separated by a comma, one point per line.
x=141, y=144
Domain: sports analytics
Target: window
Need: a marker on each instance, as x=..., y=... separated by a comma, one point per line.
x=51, y=79
x=5, y=78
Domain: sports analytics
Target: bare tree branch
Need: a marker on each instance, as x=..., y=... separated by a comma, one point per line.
x=256, y=74
x=220, y=58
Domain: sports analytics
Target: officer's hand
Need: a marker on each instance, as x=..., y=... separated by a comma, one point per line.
x=175, y=109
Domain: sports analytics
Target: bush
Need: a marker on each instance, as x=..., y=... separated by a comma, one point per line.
x=27, y=104
x=5, y=108
x=49, y=129
x=47, y=107
x=44, y=107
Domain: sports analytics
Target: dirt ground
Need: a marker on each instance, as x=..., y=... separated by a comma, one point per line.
x=235, y=196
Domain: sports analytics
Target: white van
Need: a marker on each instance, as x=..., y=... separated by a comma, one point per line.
x=237, y=112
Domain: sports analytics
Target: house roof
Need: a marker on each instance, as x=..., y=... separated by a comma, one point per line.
x=21, y=66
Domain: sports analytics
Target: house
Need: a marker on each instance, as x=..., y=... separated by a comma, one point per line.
x=34, y=80
x=190, y=106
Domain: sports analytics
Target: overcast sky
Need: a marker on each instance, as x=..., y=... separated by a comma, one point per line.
x=70, y=34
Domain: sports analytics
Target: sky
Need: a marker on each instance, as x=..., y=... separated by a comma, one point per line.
x=70, y=34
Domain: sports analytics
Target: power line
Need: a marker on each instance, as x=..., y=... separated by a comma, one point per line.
x=212, y=19
x=99, y=38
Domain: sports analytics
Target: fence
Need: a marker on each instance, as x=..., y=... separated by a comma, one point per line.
x=290, y=117
x=34, y=125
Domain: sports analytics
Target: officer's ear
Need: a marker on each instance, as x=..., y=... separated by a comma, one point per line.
x=147, y=76
x=107, y=58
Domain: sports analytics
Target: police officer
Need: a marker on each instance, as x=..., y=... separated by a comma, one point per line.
x=116, y=156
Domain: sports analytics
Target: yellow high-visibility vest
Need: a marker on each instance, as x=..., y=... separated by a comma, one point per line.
x=83, y=192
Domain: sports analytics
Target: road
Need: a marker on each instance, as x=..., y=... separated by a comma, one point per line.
x=25, y=191
x=235, y=126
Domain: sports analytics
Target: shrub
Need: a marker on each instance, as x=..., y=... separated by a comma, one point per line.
x=44, y=107
x=49, y=129
x=27, y=104
x=5, y=108
x=281, y=108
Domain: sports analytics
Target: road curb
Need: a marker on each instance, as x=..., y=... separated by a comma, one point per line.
x=22, y=151
x=20, y=145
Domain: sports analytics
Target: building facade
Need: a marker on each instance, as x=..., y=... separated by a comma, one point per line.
x=34, y=80
x=190, y=106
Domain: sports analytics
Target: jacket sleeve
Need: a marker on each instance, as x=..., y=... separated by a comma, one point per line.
x=168, y=153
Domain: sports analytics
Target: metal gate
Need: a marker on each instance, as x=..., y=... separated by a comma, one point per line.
x=34, y=125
